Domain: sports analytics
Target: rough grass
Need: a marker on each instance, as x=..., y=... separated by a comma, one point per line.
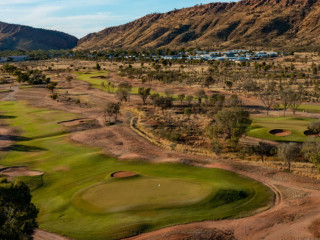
x=70, y=168
x=261, y=128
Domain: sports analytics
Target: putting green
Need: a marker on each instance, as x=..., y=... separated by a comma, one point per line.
x=142, y=193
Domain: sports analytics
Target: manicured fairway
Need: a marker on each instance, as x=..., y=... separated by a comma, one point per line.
x=309, y=108
x=80, y=200
x=93, y=78
x=261, y=128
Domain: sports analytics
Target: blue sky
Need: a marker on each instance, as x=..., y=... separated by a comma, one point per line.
x=80, y=17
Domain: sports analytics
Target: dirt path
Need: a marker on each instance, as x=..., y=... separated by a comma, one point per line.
x=11, y=95
x=43, y=235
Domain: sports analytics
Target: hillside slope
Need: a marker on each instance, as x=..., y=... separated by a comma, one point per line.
x=14, y=36
x=274, y=23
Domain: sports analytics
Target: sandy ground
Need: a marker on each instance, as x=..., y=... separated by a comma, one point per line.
x=296, y=204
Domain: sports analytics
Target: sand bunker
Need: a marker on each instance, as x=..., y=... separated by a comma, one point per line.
x=76, y=122
x=309, y=133
x=280, y=132
x=123, y=174
x=19, y=171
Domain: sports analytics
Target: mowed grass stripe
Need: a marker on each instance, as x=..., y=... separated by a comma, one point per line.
x=71, y=168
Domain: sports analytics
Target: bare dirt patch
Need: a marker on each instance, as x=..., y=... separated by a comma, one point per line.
x=19, y=171
x=280, y=132
x=43, y=235
x=198, y=234
x=123, y=174
x=315, y=228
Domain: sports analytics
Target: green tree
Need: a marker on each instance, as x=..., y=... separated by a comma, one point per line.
x=314, y=127
x=264, y=149
x=267, y=95
x=69, y=78
x=163, y=102
x=112, y=109
x=98, y=67
x=144, y=93
x=208, y=81
x=285, y=100
x=189, y=98
x=123, y=91
x=289, y=152
x=230, y=124
x=17, y=213
x=188, y=112
x=295, y=100
x=200, y=94
x=311, y=152
x=181, y=97
x=51, y=86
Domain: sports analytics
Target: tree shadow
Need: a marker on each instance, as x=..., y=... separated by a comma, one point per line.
x=23, y=148
x=14, y=138
x=7, y=117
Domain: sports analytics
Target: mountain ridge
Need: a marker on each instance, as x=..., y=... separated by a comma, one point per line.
x=15, y=36
x=245, y=23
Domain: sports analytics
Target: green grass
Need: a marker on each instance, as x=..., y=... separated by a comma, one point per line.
x=309, y=108
x=77, y=176
x=95, y=82
x=261, y=127
x=5, y=90
x=149, y=193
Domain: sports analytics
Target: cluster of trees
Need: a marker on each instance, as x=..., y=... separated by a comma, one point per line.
x=229, y=125
x=31, y=77
x=17, y=213
x=111, y=110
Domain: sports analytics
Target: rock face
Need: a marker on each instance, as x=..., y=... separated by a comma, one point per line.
x=14, y=37
x=272, y=23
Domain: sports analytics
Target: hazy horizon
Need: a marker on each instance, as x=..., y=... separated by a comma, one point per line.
x=81, y=17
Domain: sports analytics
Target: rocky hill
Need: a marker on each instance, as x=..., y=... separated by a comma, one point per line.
x=271, y=23
x=14, y=37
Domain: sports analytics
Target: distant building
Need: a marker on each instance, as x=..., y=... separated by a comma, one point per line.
x=18, y=58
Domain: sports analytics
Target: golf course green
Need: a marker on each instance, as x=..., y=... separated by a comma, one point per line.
x=149, y=193
x=262, y=127
x=78, y=198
